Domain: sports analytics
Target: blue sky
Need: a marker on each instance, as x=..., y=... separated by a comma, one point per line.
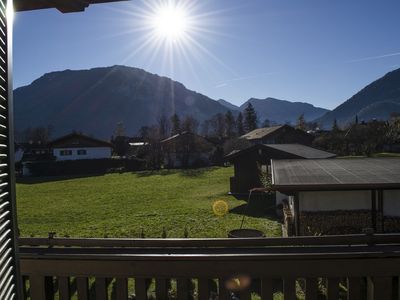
x=316, y=51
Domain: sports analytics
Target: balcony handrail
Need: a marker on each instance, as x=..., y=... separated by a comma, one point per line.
x=306, y=241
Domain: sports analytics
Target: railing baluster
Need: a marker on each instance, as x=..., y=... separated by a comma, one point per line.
x=140, y=289
x=162, y=289
x=122, y=289
x=333, y=289
x=182, y=288
x=49, y=287
x=223, y=293
x=82, y=288
x=101, y=288
x=289, y=288
x=204, y=289
x=353, y=288
x=64, y=288
x=380, y=288
x=311, y=289
x=267, y=289
x=37, y=287
x=245, y=294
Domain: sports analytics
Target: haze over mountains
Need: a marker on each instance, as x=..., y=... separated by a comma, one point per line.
x=94, y=101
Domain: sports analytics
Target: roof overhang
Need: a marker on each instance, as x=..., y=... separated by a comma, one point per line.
x=64, y=6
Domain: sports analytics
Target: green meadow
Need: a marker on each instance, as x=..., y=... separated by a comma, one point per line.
x=171, y=203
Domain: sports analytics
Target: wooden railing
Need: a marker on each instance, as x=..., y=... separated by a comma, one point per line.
x=334, y=267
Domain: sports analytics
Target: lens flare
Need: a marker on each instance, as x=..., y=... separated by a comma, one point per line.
x=220, y=208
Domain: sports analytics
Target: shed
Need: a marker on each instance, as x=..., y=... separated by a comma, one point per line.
x=339, y=196
x=247, y=162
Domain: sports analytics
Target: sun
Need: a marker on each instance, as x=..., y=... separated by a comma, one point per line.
x=170, y=22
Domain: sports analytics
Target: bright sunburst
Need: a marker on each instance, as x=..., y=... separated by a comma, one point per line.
x=170, y=22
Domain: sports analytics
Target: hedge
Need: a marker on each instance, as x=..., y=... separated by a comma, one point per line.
x=84, y=166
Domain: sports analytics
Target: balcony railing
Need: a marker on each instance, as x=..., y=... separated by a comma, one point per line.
x=326, y=267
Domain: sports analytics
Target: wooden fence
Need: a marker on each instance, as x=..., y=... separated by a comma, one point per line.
x=334, y=267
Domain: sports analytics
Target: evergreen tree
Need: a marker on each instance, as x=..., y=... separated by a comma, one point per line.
x=356, y=121
x=335, y=126
x=176, y=124
x=229, y=124
x=239, y=124
x=250, y=118
x=301, y=122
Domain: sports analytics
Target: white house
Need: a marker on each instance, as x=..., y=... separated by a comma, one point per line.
x=77, y=146
x=339, y=196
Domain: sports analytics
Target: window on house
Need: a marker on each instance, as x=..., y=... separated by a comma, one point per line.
x=65, y=152
x=82, y=152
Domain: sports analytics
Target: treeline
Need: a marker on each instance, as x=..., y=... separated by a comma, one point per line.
x=220, y=126
x=362, y=138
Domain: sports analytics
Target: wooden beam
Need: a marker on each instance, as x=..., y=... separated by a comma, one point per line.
x=64, y=6
x=296, y=205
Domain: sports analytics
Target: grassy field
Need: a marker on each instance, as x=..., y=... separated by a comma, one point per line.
x=122, y=205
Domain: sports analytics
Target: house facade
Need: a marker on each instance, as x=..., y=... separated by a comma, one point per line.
x=249, y=162
x=340, y=196
x=77, y=146
x=283, y=134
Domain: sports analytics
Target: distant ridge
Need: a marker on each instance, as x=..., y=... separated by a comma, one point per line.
x=377, y=100
x=283, y=111
x=93, y=101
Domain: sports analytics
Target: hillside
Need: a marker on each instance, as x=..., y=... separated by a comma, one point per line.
x=377, y=100
x=282, y=111
x=94, y=101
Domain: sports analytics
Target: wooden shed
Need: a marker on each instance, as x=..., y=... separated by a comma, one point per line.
x=248, y=162
x=339, y=196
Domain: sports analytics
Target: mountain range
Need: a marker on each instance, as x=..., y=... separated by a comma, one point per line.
x=377, y=100
x=94, y=101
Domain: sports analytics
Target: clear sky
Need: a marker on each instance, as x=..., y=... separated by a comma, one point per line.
x=317, y=51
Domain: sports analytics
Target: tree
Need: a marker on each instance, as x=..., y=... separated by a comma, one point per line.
x=239, y=124
x=119, y=129
x=335, y=126
x=40, y=135
x=250, y=118
x=301, y=122
x=163, y=126
x=218, y=125
x=229, y=124
x=205, y=128
x=175, y=124
x=356, y=120
x=190, y=124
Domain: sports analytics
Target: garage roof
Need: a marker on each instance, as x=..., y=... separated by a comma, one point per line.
x=335, y=174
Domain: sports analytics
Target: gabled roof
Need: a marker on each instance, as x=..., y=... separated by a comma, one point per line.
x=260, y=133
x=78, y=140
x=335, y=174
x=294, y=150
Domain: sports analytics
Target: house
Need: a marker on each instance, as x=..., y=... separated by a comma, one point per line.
x=76, y=146
x=33, y=151
x=283, y=134
x=339, y=196
x=248, y=162
x=186, y=149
